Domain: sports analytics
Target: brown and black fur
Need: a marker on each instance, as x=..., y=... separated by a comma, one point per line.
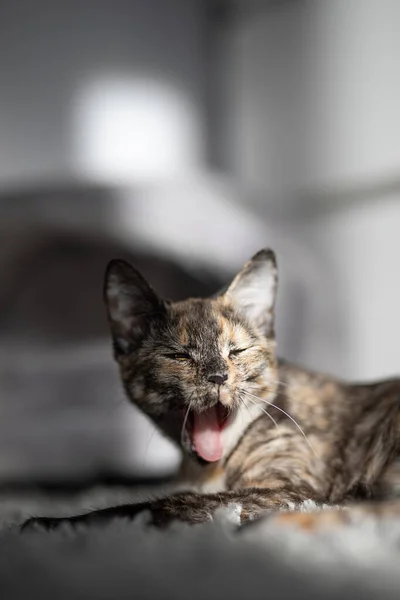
x=294, y=435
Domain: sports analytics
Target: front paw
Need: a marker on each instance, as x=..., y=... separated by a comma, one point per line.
x=198, y=508
x=43, y=523
x=187, y=507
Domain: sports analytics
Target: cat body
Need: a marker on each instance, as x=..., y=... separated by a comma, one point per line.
x=254, y=430
x=350, y=435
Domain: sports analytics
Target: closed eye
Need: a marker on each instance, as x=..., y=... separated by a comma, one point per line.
x=178, y=356
x=237, y=351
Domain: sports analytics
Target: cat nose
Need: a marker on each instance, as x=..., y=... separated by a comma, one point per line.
x=217, y=378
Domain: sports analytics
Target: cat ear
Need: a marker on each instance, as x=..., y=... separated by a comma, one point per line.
x=130, y=303
x=253, y=291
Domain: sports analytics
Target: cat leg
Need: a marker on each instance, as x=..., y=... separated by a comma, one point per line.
x=250, y=504
x=189, y=507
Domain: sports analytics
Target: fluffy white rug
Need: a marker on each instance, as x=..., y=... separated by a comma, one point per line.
x=216, y=560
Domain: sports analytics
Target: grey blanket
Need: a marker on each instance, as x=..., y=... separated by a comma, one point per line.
x=217, y=560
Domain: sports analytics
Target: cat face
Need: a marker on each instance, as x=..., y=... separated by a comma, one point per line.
x=196, y=367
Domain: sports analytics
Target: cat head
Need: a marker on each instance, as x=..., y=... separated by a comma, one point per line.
x=198, y=367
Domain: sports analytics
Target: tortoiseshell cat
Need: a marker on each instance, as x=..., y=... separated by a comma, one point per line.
x=254, y=430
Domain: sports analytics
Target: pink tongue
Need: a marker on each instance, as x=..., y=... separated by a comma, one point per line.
x=207, y=437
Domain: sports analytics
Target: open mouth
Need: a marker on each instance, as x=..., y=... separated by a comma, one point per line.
x=205, y=430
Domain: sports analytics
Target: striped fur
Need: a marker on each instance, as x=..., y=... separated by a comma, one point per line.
x=292, y=435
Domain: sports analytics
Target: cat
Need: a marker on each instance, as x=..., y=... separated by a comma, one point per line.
x=255, y=431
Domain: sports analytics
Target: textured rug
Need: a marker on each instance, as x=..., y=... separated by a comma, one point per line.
x=216, y=560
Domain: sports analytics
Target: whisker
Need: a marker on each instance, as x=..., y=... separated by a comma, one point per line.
x=241, y=413
x=284, y=393
x=242, y=403
x=184, y=421
x=289, y=417
x=275, y=381
x=228, y=414
x=264, y=411
x=281, y=382
x=116, y=404
x=148, y=446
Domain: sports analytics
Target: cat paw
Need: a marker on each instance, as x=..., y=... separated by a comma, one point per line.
x=188, y=508
x=43, y=524
x=196, y=508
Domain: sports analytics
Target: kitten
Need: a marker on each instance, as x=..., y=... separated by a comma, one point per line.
x=254, y=430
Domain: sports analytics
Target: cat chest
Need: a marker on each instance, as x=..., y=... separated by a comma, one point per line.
x=206, y=479
x=213, y=482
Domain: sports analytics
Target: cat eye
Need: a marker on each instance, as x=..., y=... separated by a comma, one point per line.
x=237, y=351
x=179, y=356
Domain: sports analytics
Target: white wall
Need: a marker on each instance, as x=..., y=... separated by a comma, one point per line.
x=316, y=88
x=56, y=57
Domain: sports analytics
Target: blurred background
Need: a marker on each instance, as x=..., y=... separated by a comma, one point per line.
x=185, y=135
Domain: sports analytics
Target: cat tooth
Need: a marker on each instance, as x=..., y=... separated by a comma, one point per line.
x=225, y=397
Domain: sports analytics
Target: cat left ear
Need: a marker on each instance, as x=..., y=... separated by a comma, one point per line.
x=253, y=291
x=131, y=304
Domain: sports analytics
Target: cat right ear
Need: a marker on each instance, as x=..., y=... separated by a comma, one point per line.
x=253, y=291
x=130, y=303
